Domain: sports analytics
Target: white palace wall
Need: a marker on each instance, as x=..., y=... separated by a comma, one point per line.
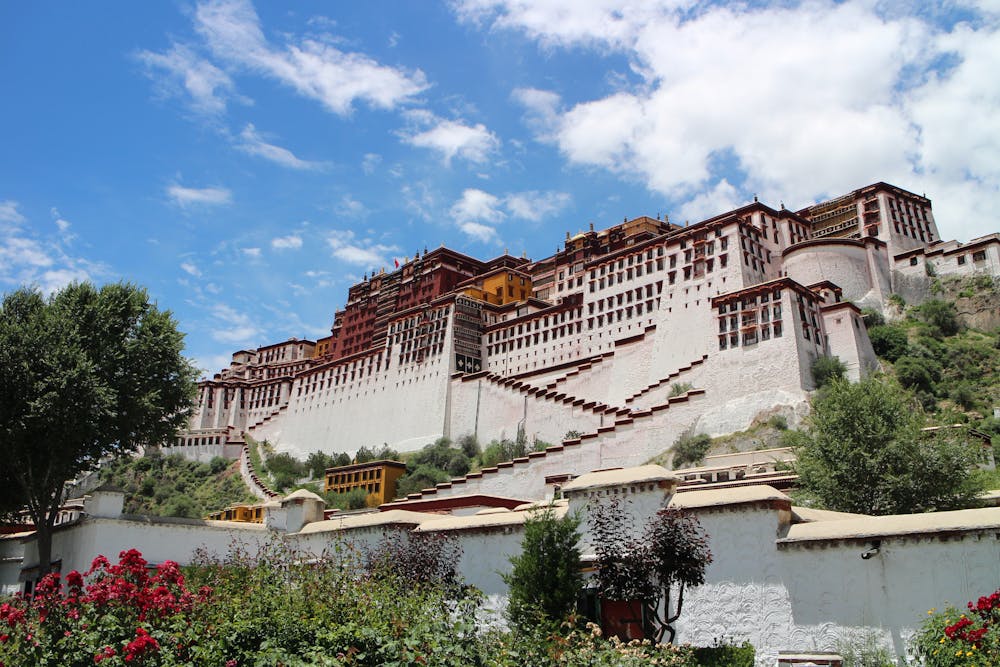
x=778, y=579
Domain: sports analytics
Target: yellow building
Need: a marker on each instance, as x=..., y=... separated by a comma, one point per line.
x=242, y=513
x=378, y=478
x=500, y=286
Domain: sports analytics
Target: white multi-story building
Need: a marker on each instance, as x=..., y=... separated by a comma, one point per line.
x=628, y=336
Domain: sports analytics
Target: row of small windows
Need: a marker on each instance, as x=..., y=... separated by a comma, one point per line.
x=750, y=337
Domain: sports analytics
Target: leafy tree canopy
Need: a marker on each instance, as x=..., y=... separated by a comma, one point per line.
x=864, y=452
x=545, y=579
x=85, y=373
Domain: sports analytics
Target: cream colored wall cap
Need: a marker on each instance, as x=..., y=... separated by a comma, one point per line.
x=303, y=494
x=367, y=520
x=900, y=524
x=620, y=477
x=477, y=521
x=808, y=515
x=733, y=496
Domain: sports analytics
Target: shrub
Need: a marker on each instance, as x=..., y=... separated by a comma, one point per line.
x=690, y=450
x=897, y=300
x=726, y=655
x=545, y=579
x=458, y=465
x=469, y=445
x=950, y=637
x=778, y=422
x=872, y=317
x=112, y=614
x=915, y=373
x=422, y=477
x=355, y=499
x=826, y=370
x=889, y=342
x=680, y=388
x=940, y=317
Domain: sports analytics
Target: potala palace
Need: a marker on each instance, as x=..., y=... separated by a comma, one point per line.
x=595, y=339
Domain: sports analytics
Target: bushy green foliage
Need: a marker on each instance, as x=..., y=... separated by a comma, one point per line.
x=276, y=606
x=422, y=477
x=727, y=655
x=940, y=317
x=502, y=450
x=469, y=445
x=779, y=422
x=872, y=317
x=863, y=451
x=173, y=486
x=866, y=651
x=827, y=369
x=916, y=373
x=889, y=341
x=545, y=579
x=680, y=388
x=355, y=499
x=690, y=450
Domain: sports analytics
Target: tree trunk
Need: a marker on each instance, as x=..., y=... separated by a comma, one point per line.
x=43, y=541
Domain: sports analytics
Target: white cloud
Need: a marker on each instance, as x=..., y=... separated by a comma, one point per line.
x=350, y=207
x=315, y=69
x=9, y=212
x=233, y=327
x=480, y=232
x=208, y=196
x=28, y=258
x=784, y=100
x=252, y=143
x=368, y=253
x=290, y=242
x=535, y=206
x=181, y=73
x=451, y=138
x=253, y=253
x=190, y=268
x=721, y=198
x=473, y=210
x=477, y=205
x=370, y=162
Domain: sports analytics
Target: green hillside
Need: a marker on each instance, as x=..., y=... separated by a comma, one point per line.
x=172, y=486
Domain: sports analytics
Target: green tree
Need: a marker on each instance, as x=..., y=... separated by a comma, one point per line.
x=889, y=341
x=690, y=450
x=863, y=451
x=827, y=369
x=85, y=374
x=940, y=317
x=545, y=579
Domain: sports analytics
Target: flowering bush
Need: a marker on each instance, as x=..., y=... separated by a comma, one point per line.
x=954, y=638
x=111, y=615
x=281, y=607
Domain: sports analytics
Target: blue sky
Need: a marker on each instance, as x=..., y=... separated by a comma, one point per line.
x=248, y=162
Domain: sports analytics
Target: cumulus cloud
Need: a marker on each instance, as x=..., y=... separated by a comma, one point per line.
x=28, y=257
x=9, y=212
x=808, y=99
x=450, y=138
x=190, y=268
x=313, y=68
x=181, y=73
x=253, y=143
x=477, y=213
x=290, y=242
x=212, y=196
x=370, y=162
x=366, y=252
x=233, y=327
x=536, y=206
